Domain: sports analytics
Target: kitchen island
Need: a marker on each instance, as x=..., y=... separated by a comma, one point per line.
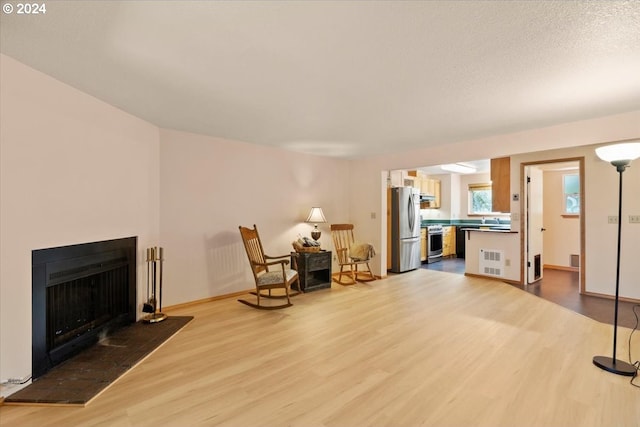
x=492, y=252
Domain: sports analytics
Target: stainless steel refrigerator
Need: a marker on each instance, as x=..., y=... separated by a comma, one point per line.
x=405, y=229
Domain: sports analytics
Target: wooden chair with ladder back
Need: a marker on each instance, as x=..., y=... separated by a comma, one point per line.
x=351, y=255
x=269, y=272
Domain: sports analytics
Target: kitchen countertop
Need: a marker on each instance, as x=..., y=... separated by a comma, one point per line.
x=504, y=228
x=490, y=229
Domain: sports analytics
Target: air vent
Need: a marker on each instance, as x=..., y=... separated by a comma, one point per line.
x=575, y=260
x=492, y=262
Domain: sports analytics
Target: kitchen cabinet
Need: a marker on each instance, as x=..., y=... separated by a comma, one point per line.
x=402, y=178
x=501, y=184
x=430, y=186
x=448, y=241
x=423, y=244
x=460, y=241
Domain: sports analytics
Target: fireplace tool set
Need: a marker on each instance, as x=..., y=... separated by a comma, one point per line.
x=154, y=286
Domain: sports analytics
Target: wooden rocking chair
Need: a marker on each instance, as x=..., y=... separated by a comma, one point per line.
x=269, y=272
x=343, y=241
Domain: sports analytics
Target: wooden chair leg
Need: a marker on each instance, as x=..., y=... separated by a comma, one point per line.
x=268, y=295
x=346, y=273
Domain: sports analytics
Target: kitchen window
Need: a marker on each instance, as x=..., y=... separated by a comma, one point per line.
x=480, y=199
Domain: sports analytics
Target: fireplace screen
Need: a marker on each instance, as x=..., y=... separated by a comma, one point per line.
x=81, y=305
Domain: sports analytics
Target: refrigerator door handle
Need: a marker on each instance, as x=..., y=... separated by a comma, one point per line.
x=411, y=212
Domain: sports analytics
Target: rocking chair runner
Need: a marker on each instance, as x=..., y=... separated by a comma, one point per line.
x=344, y=242
x=269, y=272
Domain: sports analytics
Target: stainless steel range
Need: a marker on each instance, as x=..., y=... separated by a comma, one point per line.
x=434, y=243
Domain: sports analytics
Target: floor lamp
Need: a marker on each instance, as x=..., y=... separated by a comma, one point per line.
x=620, y=156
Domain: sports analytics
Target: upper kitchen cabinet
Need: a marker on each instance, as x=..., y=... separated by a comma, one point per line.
x=500, y=184
x=428, y=187
x=431, y=187
x=402, y=178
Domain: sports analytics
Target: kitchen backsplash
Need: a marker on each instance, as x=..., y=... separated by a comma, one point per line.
x=488, y=221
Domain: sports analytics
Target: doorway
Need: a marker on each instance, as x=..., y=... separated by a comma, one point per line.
x=552, y=218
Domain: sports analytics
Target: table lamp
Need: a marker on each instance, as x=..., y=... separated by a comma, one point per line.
x=315, y=217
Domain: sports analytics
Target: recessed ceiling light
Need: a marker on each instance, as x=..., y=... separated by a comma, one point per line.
x=458, y=168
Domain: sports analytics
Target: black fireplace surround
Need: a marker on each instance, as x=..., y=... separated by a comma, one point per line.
x=80, y=292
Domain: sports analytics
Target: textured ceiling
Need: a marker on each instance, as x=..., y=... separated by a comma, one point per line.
x=341, y=78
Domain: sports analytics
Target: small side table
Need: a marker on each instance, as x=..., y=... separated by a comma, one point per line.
x=314, y=269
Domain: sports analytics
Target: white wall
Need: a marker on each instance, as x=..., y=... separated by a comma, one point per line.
x=58, y=145
x=600, y=201
x=76, y=170
x=211, y=186
x=509, y=243
x=562, y=235
x=367, y=193
x=73, y=170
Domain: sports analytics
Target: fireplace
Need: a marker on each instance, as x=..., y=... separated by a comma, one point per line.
x=79, y=293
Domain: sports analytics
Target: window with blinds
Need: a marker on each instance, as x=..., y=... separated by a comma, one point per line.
x=480, y=199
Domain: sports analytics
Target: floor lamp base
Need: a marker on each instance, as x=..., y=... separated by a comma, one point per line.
x=615, y=366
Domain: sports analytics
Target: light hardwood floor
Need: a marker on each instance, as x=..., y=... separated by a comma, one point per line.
x=421, y=348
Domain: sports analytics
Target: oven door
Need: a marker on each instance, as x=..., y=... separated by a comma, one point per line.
x=434, y=246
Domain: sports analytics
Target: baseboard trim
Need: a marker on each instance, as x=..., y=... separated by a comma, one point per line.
x=611, y=297
x=204, y=300
x=497, y=279
x=561, y=267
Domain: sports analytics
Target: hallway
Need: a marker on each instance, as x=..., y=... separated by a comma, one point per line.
x=562, y=288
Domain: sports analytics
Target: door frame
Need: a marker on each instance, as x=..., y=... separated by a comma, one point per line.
x=524, y=213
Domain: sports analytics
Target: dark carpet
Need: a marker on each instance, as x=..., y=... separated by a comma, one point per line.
x=77, y=380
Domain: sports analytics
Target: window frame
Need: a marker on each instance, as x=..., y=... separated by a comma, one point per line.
x=483, y=186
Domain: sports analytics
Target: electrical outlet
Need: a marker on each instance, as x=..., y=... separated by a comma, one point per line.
x=373, y=215
x=507, y=263
x=634, y=219
x=612, y=219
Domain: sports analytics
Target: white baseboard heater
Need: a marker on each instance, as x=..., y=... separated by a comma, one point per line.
x=492, y=262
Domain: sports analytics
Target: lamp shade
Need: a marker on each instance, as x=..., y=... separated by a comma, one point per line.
x=616, y=152
x=316, y=216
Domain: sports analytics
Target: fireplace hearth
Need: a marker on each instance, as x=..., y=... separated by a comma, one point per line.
x=80, y=293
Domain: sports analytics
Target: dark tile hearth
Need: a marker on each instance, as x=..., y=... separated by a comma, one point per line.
x=79, y=379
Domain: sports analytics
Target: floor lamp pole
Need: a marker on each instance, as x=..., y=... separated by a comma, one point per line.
x=611, y=364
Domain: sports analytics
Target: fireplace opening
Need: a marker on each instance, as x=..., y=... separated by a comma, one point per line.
x=80, y=292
